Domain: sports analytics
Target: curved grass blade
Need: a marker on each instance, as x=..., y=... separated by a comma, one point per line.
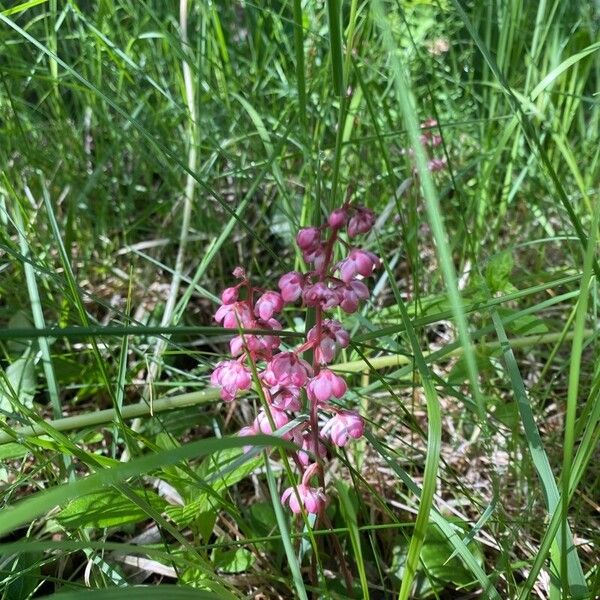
x=434, y=440
x=446, y=528
x=27, y=510
x=138, y=593
x=577, y=583
x=285, y=533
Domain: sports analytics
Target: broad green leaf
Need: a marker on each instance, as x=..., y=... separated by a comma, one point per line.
x=20, y=381
x=160, y=592
x=497, y=273
x=237, y=560
x=12, y=517
x=523, y=324
x=24, y=584
x=460, y=372
x=435, y=554
x=12, y=450
x=107, y=509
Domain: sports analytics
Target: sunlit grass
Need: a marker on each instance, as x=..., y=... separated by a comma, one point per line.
x=143, y=161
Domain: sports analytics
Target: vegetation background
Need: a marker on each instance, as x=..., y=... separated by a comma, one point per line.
x=147, y=148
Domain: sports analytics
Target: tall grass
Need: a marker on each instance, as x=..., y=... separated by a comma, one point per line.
x=148, y=149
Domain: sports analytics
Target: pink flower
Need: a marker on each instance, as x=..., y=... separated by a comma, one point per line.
x=246, y=431
x=231, y=376
x=319, y=294
x=333, y=336
x=285, y=397
x=313, y=499
x=260, y=345
x=324, y=386
x=263, y=425
x=343, y=426
x=361, y=222
x=229, y=295
x=437, y=164
x=351, y=294
x=286, y=368
x=316, y=256
x=230, y=314
x=290, y=285
x=308, y=238
x=337, y=219
x=268, y=304
x=308, y=445
x=358, y=262
x=239, y=273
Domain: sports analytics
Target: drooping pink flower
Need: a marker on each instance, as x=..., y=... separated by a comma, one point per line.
x=239, y=273
x=231, y=376
x=262, y=346
x=268, y=304
x=362, y=221
x=333, y=336
x=358, y=262
x=324, y=386
x=429, y=137
x=308, y=238
x=308, y=446
x=285, y=397
x=246, y=431
x=230, y=314
x=290, y=285
x=313, y=499
x=263, y=424
x=315, y=256
x=343, y=426
x=437, y=164
x=229, y=295
x=288, y=369
x=319, y=294
x=351, y=295
x=337, y=219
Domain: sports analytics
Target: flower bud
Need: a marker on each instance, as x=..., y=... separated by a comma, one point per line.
x=229, y=295
x=337, y=219
x=263, y=425
x=308, y=238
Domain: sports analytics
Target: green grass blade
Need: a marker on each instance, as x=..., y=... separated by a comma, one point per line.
x=568, y=577
x=406, y=103
x=139, y=593
x=285, y=534
x=26, y=510
x=334, y=12
x=434, y=437
x=540, y=460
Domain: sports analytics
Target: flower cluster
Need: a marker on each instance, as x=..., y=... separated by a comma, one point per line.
x=430, y=140
x=289, y=382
